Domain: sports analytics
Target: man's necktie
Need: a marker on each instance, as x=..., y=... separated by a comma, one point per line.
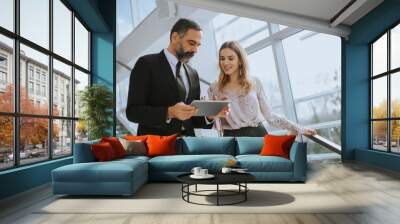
x=181, y=85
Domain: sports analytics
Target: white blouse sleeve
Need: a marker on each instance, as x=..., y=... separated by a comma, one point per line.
x=271, y=117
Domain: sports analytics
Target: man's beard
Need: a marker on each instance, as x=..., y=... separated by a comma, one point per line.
x=183, y=55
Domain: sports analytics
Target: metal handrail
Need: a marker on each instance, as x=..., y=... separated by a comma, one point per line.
x=326, y=143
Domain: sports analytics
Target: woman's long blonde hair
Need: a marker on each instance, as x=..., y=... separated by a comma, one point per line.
x=243, y=78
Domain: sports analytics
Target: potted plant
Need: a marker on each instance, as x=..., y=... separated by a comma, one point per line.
x=96, y=102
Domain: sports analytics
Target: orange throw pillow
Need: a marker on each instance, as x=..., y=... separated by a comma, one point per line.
x=116, y=145
x=277, y=145
x=161, y=145
x=103, y=152
x=136, y=138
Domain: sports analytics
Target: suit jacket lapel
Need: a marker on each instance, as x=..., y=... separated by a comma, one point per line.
x=166, y=68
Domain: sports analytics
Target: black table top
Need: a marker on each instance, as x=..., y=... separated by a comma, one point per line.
x=220, y=178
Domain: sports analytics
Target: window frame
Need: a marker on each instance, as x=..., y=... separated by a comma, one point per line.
x=16, y=115
x=388, y=74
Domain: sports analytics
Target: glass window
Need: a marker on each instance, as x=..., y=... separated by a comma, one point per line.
x=7, y=14
x=30, y=87
x=395, y=47
x=3, y=79
x=81, y=131
x=33, y=140
x=34, y=79
x=35, y=21
x=62, y=138
x=43, y=90
x=142, y=9
x=81, y=81
x=282, y=27
x=62, y=29
x=379, y=98
x=130, y=14
x=6, y=142
x=251, y=30
x=395, y=95
x=37, y=75
x=379, y=135
x=395, y=136
x=381, y=139
x=81, y=45
x=314, y=63
x=3, y=61
x=62, y=72
x=6, y=73
x=379, y=56
x=30, y=72
x=262, y=66
x=40, y=62
x=37, y=89
x=320, y=109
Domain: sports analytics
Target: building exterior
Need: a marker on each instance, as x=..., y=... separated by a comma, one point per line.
x=34, y=80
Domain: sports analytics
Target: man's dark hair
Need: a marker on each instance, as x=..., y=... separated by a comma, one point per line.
x=183, y=25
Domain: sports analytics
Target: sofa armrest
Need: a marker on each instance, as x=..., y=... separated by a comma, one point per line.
x=298, y=155
x=83, y=152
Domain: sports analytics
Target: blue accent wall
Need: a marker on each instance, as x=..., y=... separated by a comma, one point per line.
x=355, y=89
x=24, y=178
x=102, y=58
x=99, y=16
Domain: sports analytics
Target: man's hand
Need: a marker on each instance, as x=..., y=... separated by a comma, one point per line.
x=181, y=111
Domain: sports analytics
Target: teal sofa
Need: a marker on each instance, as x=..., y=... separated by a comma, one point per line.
x=125, y=176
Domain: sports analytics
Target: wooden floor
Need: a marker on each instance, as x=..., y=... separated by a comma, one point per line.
x=379, y=189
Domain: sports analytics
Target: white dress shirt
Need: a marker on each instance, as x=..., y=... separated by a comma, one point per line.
x=172, y=60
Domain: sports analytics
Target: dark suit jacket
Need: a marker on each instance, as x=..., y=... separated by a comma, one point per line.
x=152, y=89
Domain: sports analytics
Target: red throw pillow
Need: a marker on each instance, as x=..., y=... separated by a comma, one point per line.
x=103, y=152
x=116, y=145
x=277, y=145
x=161, y=145
x=135, y=138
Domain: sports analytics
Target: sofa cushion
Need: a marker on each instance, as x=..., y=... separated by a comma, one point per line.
x=206, y=145
x=161, y=145
x=112, y=171
x=249, y=145
x=131, y=158
x=134, y=147
x=136, y=137
x=257, y=163
x=103, y=152
x=185, y=163
x=277, y=145
x=116, y=145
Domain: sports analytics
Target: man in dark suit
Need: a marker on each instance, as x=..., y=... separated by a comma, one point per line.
x=163, y=85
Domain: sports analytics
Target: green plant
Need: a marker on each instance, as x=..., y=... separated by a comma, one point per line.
x=96, y=102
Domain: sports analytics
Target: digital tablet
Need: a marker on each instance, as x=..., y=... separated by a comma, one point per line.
x=209, y=107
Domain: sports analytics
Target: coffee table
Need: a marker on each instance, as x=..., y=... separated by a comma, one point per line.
x=238, y=179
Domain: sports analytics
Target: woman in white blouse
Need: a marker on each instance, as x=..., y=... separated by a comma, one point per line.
x=249, y=106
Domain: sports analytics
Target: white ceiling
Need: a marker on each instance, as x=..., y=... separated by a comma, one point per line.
x=313, y=15
x=319, y=9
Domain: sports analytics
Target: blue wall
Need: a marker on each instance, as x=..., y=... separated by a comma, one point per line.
x=24, y=178
x=103, y=64
x=355, y=89
x=99, y=16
